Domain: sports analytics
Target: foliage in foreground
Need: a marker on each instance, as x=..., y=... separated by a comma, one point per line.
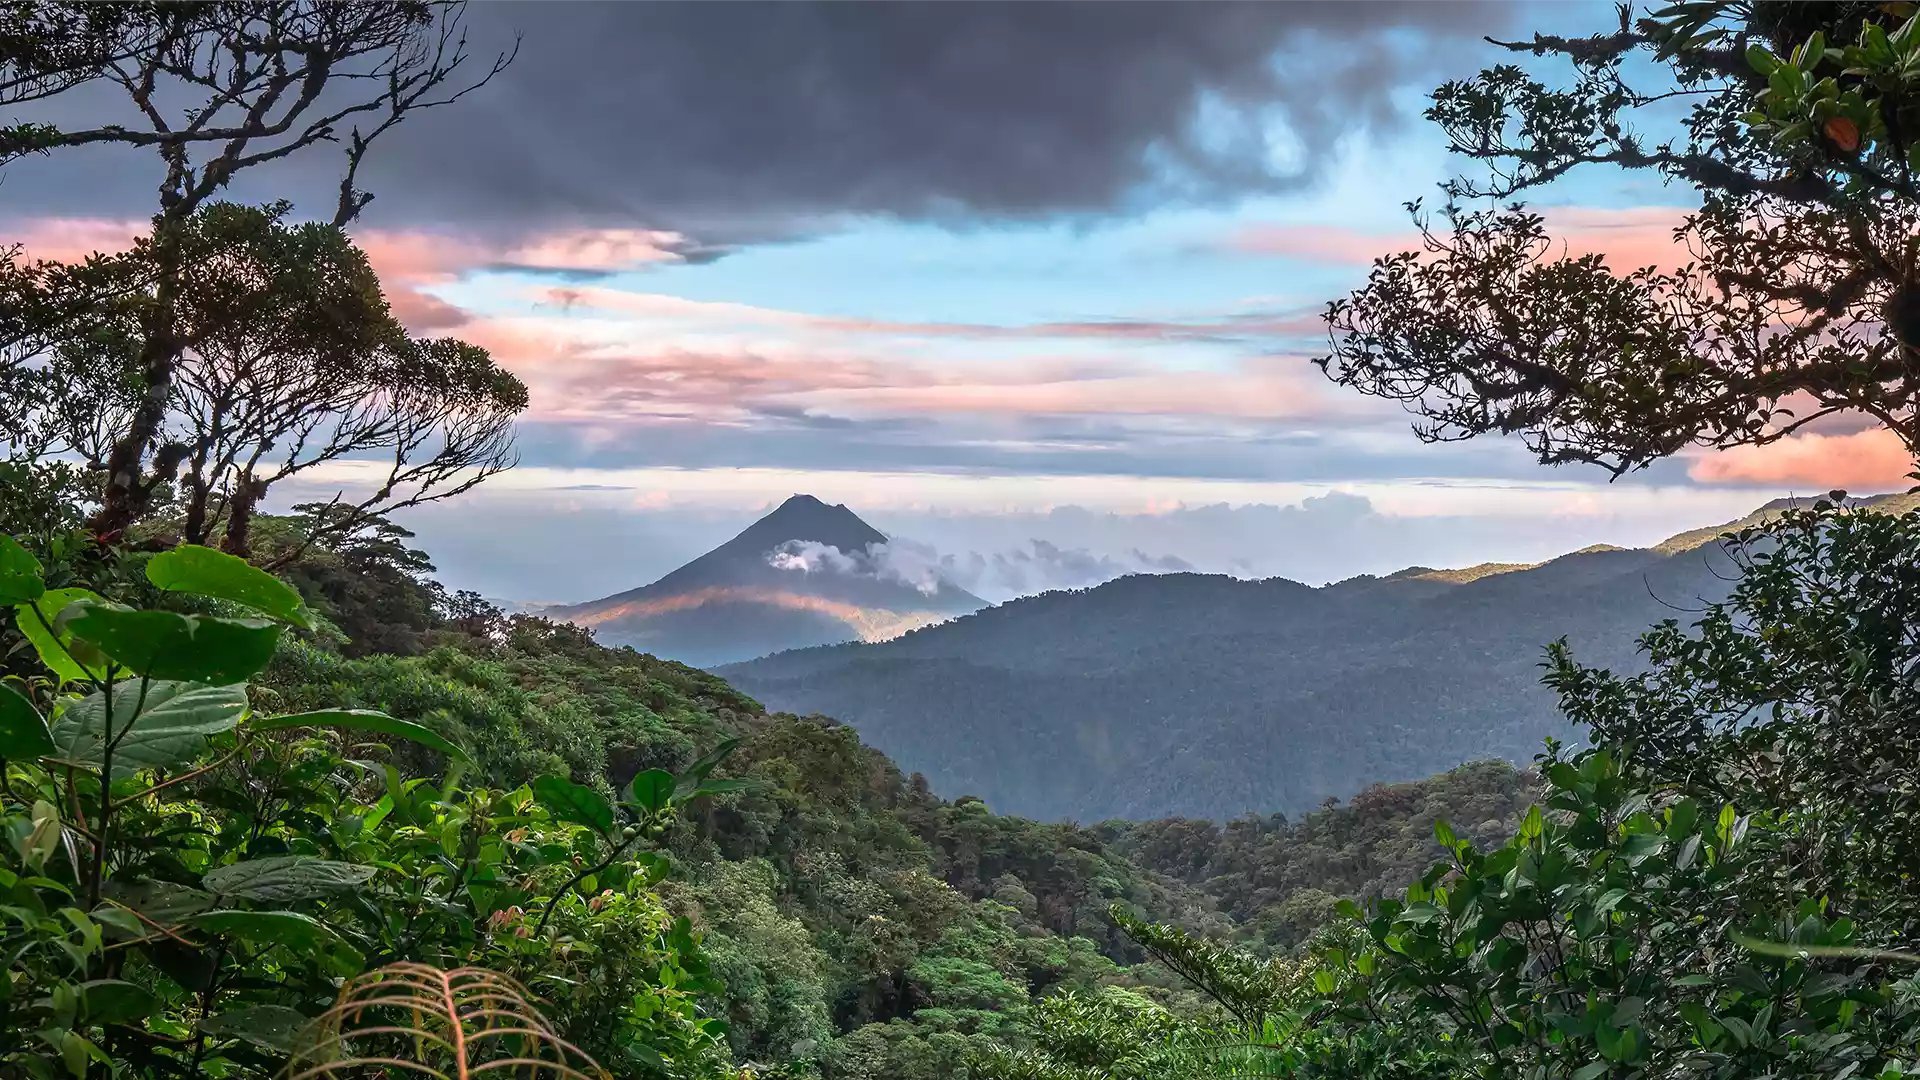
x=188, y=879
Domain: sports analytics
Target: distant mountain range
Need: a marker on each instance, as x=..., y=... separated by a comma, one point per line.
x=1208, y=696
x=805, y=574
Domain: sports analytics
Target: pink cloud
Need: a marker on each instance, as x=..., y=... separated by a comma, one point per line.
x=1873, y=459
x=1264, y=389
x=1319, y=243
x=661, y=306
x=593, y=373
x=1629, y=238
x=411, y=263
x=72, y=239
x=602, y=250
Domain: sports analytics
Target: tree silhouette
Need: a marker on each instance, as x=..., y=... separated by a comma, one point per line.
x=1799, y=298
x=221, y=88
x=289, y=360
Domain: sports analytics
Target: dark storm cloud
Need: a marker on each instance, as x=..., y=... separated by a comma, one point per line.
x=709, y=116
x=748, y=121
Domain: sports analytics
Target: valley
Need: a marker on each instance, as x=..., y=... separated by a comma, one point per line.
x=1208, y=696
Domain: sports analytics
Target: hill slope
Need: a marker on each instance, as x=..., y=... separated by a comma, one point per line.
x=1207, y=696
x=864, y=928
x=805, y=574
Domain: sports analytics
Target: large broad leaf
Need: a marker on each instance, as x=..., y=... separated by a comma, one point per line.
x=115, y=1001
x=274, y=1028
x=698, y=771
x=20, y=581
x=40, y=623
x=284, y=878
x=301, y=934
x=159, y=904
x=167, y=724
x=362, y=720
x=23, y=731
x=723, y=787
x=203, y=571
x=578, y=803
x=652, y=789
x=166, y=645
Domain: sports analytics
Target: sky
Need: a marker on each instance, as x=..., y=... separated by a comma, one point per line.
x=1033, y=288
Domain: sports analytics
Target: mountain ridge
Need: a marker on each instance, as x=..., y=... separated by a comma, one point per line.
x=806, y=573
x=1209, y=696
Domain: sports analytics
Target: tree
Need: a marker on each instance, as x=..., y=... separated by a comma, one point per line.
x=47, y=49
x=222, y=87
x=288, y=359
x=1801, y=296
x=1797, y=692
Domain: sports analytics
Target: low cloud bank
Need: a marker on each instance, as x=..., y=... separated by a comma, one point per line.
x=1039, y=566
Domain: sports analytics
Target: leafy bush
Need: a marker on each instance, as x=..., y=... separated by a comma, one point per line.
x=189, y=879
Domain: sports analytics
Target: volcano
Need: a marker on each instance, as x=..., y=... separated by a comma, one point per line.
x=806, y=574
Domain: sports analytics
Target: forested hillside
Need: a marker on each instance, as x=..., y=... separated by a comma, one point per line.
x=849, y=921
x=274, y=803
x=856, y=921
x=1208, y=696
x=1281, y=879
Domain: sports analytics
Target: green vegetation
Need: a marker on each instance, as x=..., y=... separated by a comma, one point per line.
x=309, y=814
x=1722, y=887
x=498, y=794
x=1282, y=880
x=190, y=874
x=1721, y=883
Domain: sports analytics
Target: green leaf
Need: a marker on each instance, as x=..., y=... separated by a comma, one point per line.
x=363, y=720
x=166, y=645
x=159, y=903
x=20, y=581
x=203, y=571
x=23, y=731
x=573, y=802
x=698, y=771
x=115, y=1001
x=653, y=789
x=76, y=1051
x=274, y=1028
x=648, y=1056
x=288, y=929
x=283, y=878
x=1532, y=825
x=167, y=726
x=1791, y=949
x=70, y=660
x=723, y=787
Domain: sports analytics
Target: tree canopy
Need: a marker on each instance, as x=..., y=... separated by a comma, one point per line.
x=288, y=359
x=219, y=88
x=1799, y=298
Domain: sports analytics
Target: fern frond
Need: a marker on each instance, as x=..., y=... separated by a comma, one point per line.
x=1247, y=987
x=415, y=1019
